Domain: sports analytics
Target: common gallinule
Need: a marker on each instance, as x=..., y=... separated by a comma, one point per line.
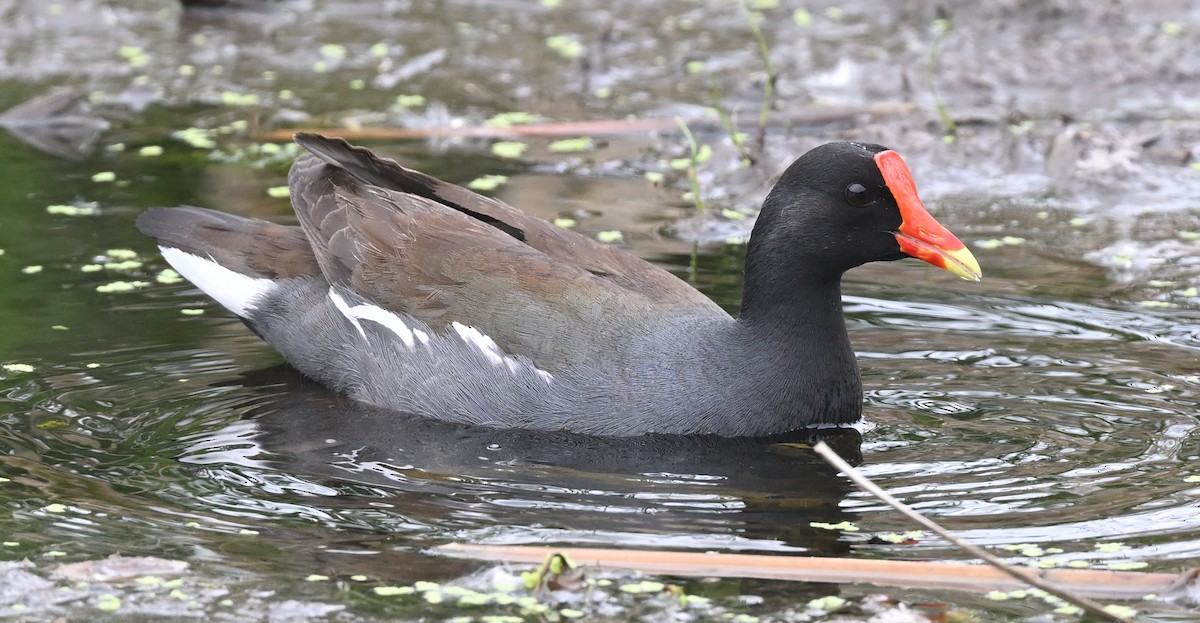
x=409, y=293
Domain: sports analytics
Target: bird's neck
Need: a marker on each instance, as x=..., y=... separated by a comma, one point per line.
x=792, y=356
x=786, y=299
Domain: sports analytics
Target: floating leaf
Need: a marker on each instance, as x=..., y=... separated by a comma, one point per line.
x=167, y=276
x=121, y=254
x=571, y=145
x=18, y=367
x=1127, y=566
x=566, y=45
x=279, y=192
x=121, y=286
x=333, y=50
x=645, y=586
x=198, y=138
x=104, y=176
x=487, y=182
x=610, y=236
x=509, y=149
x=71, y=210
x=151, y=151
x=507, y=119
x=842, y=525
x=828, y=604
x=410, y=101
x=565, y=223
x=231, y=98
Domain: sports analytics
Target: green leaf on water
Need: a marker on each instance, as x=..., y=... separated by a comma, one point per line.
x=566, y=45
x=508, y=119
x=842, y=525
x=333, y=50
x=390, y=591
x=71, y=210
x=571, y=145
x=108, y=602
x=487, y=182
x=610, y=236
x=121, y=254
x=167, y=276
x=645, y=586
x=828, y=604
x=410, y=101
x=509, y=149
x=232, y=98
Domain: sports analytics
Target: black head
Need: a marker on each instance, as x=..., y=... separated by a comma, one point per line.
x=841, y=205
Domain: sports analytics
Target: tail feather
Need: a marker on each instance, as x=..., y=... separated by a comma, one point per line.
x=244, y=245
x=234, y=259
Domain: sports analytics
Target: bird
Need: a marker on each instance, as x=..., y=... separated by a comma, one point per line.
x=412, y=294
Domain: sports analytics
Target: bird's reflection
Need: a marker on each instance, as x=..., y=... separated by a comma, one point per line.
x=516, y=486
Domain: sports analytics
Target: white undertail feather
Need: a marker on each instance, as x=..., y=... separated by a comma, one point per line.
x=236, y=292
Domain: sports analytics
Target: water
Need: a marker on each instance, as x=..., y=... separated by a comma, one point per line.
x=1054, y=403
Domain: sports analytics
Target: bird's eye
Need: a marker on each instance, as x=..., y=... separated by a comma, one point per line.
x=858, y=196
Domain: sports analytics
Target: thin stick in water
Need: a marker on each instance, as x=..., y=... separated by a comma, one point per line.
x=865, y=484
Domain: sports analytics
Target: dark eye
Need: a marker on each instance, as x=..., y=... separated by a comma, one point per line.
x=858, y=196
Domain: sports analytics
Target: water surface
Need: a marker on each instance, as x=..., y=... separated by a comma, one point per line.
x=1054, y=403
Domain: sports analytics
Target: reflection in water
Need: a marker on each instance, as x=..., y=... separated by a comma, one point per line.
x=507, y=486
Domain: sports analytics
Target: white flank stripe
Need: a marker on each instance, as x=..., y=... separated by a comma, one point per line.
x=488, y=347
x=385, y=318
x=485, y=344
x=233, y=290
x=344, y=307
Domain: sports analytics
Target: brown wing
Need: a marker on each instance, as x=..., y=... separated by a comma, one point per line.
x=565, y=246
x=410, y=253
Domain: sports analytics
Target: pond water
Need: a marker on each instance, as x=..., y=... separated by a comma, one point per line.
x=1053, y=404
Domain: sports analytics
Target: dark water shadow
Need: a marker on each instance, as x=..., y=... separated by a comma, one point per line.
x=509, y=486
